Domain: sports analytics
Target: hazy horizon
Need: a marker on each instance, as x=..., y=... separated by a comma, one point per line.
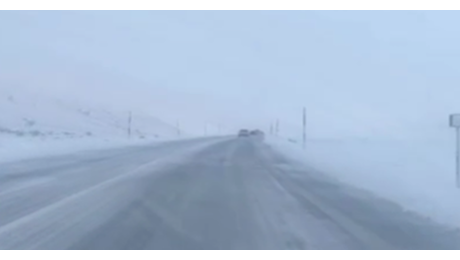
x=363, y=74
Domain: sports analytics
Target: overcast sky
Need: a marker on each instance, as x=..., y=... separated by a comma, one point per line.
x=360, y=74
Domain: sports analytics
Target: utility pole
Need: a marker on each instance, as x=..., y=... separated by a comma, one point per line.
x=304, y=123
x=178, y=128
x=130, y=119
x=277, y=127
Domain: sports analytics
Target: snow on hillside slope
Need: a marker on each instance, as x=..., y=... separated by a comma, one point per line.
x=29, y=113
x=418, y=175
x=33, y=120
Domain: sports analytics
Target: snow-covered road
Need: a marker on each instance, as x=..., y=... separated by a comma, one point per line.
x=212, y=193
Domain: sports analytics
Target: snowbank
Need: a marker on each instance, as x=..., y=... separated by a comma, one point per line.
x=420, y=176
x=15, y=149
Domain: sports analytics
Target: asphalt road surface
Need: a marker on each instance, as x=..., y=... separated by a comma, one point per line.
x=216, y=193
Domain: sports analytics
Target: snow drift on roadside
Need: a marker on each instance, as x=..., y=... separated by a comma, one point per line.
x=15, y=149
x=420, y=176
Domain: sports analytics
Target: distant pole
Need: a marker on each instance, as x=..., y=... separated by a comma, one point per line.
x=178, y=128
x=304, y=123
x=130, y=119
x=277, y=127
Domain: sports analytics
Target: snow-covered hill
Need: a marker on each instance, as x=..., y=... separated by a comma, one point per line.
x=27, y=113
x=35, y=122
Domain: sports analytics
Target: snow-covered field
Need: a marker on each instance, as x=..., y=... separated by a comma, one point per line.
x=34, y=122
x=418, y=175
x=15, y=149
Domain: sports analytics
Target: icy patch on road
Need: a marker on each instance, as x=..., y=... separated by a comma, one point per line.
x=63, y=223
